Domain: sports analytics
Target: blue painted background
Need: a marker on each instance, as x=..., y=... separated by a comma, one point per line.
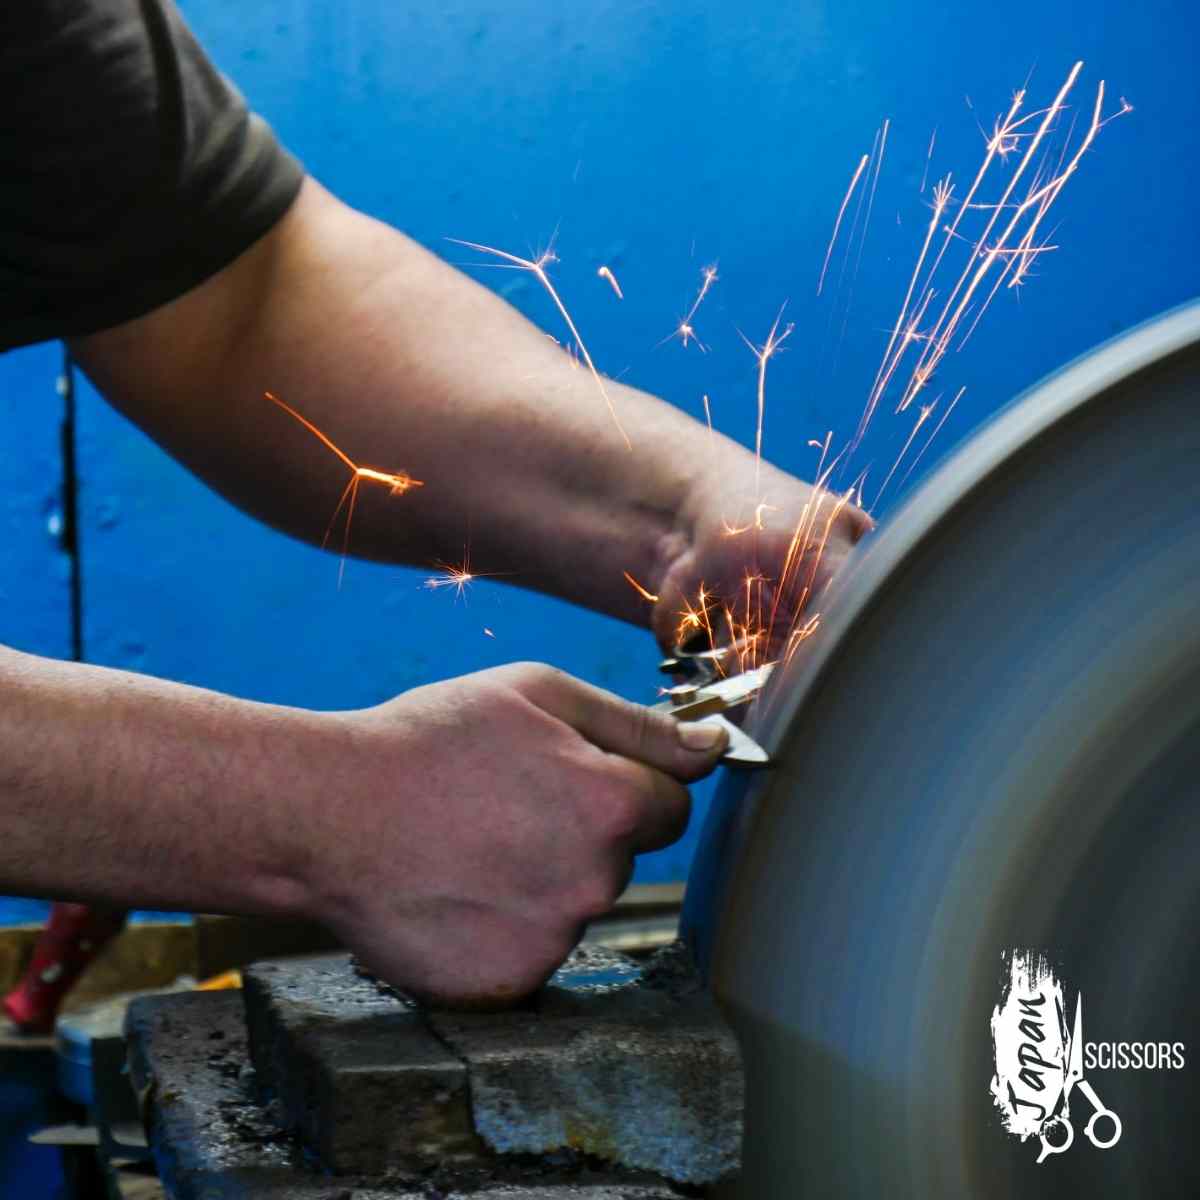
x=655, y=137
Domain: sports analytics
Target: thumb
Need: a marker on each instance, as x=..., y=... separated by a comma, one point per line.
x=684, y=749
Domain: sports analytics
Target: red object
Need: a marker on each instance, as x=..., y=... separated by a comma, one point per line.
x=74, y=935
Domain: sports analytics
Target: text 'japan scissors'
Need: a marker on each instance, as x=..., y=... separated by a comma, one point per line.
x=1063, y=1119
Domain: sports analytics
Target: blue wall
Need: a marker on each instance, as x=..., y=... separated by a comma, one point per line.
x=655, y=137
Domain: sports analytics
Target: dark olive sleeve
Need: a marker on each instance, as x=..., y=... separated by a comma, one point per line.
x=130, y=169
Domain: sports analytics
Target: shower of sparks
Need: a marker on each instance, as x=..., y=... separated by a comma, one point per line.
x=883, y=137
x=1004, y=250
x=537, y=268
x=606, y=273
x=1000, y=238
x=1001, y=253
x=924, y=414
x=974, y=242
x=906, y=333
x=837, y=224
x=396, y=482
x=929, y=440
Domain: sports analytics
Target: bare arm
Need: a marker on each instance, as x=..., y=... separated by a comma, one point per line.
x=107, y=780
x=452, y=872
x=408, y=365
x=459, y=835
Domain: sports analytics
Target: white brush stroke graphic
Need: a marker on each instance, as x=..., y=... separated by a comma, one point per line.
x=1030, y=1043
x=1038, y=1062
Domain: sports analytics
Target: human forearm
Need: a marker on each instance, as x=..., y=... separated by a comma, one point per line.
x=407, y=364
x=122, y=789
x=457, y=837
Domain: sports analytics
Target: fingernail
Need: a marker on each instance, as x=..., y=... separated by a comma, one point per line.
x=696, y=736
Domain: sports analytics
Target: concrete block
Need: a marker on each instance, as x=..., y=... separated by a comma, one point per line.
x=636, y=1067
x=213, y=1140
x=610, y=1060
x=356, y=1073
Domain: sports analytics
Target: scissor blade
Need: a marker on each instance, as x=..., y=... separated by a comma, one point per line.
x=743, y=750
x=1075, y=1069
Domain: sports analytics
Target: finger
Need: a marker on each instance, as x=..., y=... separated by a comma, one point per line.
x=662, y=806
x=857, y=521
x=682, y=749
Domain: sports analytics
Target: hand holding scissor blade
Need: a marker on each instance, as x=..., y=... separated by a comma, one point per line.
x=1063, y=1119
x=708, y=696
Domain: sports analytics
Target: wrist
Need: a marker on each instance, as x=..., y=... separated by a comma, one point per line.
x=287, y=773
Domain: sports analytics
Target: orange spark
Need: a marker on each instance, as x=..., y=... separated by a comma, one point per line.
x=837, y=224
x=943, y=190
x=606, y=273
x=396, y=482
x=803, y=541
x=928, y=160
x=457, y=577
x=763, y=353
x=685, y=330
x=925, y=412
x=929, y=440
x=451, y=577
x=800, y=634
x=708, y=278
x=694, y=619
x=883, y=137
x=637, y=587
x=1013, y=237
x=537, y=268
x=1039, y=199
x=761, y=508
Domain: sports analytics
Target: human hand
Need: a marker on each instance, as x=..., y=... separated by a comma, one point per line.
x=476, y=825
x=759, y=550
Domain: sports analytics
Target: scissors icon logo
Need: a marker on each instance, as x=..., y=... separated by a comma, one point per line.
x=1061, y=1121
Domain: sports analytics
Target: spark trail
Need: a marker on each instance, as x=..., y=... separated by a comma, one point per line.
x=928, y=159
x=1001, y=237
x=763, y=354
x=973, y=244
x=837, y=224
x=1012, y=245
x=450, y=577
x=537, y=268
x=396, y=482
x=685, y=330
x=606, y=273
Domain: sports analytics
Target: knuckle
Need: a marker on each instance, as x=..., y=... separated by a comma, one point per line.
x=645, y=730
x=620, y=811
x=535, y=676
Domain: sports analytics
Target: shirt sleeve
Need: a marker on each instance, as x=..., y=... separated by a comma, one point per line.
x=133, y=169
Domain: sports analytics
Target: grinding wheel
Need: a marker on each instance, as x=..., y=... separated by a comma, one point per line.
x=993, y=744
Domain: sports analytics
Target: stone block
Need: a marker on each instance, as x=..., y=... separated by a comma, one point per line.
x=356, y=1073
